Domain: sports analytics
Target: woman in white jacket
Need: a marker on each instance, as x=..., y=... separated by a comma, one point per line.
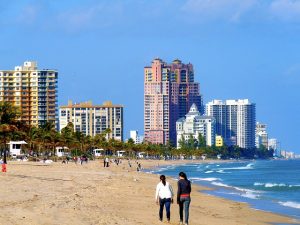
x=164, y=197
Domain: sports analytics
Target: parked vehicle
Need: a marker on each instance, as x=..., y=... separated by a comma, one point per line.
x=60, y=151
x=98, y=152
x=121, y=153
x=141, y=155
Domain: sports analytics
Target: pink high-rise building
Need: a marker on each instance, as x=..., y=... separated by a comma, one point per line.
x=169, y=92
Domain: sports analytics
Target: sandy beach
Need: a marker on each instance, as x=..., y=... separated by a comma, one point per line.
x=37, y=193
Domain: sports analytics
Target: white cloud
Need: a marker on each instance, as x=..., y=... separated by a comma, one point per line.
x=287, y=10
x=231, y=10
x=293, y=71
x=29, y=14
x=100, y=15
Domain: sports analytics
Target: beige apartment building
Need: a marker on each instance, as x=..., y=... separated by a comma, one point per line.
x=93, y=119
x=33, y=90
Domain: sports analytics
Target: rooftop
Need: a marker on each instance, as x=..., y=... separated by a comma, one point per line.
x=89, y=104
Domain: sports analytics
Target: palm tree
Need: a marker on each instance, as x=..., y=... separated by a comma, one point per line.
x=55, y=139
x=106, y=133
x=79, y=138
x=32, y=137
x=130, y=146
x=88, y=142
x=67, y=135
x=8, y=123
x=43, y=137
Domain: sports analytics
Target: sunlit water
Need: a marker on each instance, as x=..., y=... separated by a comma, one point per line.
x=271, y=185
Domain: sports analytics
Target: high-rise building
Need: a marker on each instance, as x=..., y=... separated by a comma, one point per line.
x=218, y=110
x=194, y=124
x=93, y=119
x=134, y=135
x=169, y=92
x=33, y=90
x=275, y=145
x=261, y=135
x=235, y=121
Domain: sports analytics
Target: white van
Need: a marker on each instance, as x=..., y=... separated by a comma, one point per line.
x=140, y=155
x=60, y=151
x=121, y=153
x=98, y=152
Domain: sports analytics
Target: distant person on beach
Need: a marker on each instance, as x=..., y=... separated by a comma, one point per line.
x=106, y=162
x=164, y=197
x=183, y=197
x=129, y=164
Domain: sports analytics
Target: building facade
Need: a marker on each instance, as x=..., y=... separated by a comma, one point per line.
x=235, y=121
x=261, y=135
x=275, y=145
x=93, y=119
x=194, y=124
x=169, y=92
x=134, y=135
x=219, y=141
x=33, y=91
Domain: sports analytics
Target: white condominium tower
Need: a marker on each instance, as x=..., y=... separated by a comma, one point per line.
x=194, y=124
x=33, y=91
x=134, y=134
x=93, y=119
x=235, y=121
x=261, y=135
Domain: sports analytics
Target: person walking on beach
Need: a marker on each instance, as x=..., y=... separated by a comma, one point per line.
x=106, y=162
x=164, y=197
x=183, y=197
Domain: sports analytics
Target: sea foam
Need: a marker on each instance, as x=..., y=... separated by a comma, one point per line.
x=204, y=179
x=270, y=185
x=247, y=167
x=295, y=205
x=220, y=184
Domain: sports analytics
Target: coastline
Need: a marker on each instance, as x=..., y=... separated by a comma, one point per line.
x=35, y=193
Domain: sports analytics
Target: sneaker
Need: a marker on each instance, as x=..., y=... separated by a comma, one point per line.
x=180, y=223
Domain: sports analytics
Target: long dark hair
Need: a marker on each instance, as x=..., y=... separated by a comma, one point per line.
x=182, y=174
x=163, y=179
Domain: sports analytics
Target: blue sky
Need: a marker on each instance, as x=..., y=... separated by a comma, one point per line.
x=240, y=49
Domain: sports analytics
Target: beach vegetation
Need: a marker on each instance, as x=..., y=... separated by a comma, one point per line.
x=43, y=141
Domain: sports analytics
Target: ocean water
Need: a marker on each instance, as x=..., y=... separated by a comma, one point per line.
x=270, y=185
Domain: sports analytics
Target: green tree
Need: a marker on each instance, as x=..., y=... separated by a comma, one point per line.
x=79, y=138
x=67, y=136
x=8, y=124
x=191, y=142
x=130, y=147
x=31, y=137
x=55, y=139
x=201, y=141
x=182, y=143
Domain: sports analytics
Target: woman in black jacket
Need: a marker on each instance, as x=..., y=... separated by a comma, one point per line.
x=183, y=197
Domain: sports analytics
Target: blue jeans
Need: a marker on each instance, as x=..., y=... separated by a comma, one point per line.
x=184, y=203
x=164, y=202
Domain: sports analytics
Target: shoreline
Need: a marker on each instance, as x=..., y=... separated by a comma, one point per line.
x=35, y=193
x=209, y=189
